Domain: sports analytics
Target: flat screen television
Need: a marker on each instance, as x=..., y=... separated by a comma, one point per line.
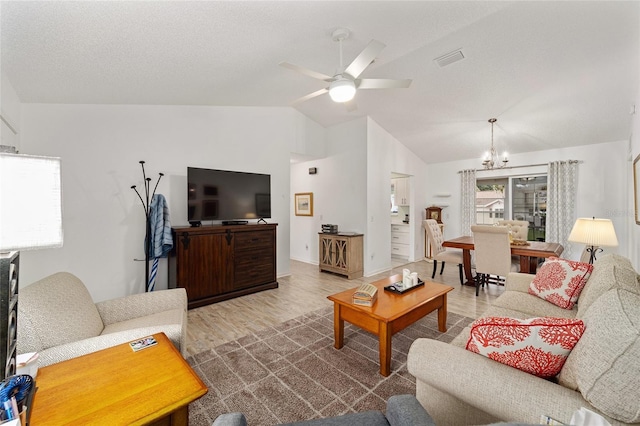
x=227, y=195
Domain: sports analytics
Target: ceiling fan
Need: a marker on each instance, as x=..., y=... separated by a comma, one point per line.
x=343, y=85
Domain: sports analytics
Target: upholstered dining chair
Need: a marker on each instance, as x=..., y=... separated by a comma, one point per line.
x=519, y=228
x=439, y=253
x=492, y=254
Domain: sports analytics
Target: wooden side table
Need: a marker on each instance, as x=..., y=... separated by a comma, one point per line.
x=117, y=386
x=341, y=253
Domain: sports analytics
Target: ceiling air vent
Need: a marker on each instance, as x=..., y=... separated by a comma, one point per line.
x=449, y=58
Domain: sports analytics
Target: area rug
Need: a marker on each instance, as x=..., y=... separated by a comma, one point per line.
x=292, y=372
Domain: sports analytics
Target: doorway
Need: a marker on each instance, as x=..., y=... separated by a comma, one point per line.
x=400, y=201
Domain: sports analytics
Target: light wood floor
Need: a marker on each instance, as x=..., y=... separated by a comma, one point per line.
x=306, y=290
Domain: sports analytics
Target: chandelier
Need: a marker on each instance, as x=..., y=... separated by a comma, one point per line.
x=490, y=159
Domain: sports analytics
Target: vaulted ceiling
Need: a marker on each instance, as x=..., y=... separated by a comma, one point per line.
x=555, y=74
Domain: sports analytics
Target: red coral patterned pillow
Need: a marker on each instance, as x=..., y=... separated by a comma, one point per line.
x=560, y=281
x=538, y=346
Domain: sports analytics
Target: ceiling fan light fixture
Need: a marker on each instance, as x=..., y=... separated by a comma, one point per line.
x=342, y=89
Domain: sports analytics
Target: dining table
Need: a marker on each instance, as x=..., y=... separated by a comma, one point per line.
x=529, y=253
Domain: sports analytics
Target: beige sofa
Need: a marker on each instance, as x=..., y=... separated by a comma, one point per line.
x=58, y=319
x=602, y=373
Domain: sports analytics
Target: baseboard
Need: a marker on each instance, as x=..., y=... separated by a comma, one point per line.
x=304, y=260
x=379, y=271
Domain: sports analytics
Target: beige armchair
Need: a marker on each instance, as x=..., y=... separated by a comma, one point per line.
x=519, y=228
x=58, y=319
x=441, y=254
x=492, y=253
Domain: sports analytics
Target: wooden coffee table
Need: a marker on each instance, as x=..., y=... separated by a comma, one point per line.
x=390, y=314
x=117, y=386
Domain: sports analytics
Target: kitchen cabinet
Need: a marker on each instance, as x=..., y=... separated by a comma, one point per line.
x=400, y=240
x=401, y=188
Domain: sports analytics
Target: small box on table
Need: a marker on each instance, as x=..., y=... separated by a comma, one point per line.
x=330, y=229
x=365, y=295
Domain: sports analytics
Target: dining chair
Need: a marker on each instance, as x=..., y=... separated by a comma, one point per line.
x=492, y=254
x=439, y=253
x=519, y=228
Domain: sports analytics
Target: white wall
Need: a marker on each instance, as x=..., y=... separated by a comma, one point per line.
x=603, y=185
x=384, y=156
x=104, y=226
x=339, y=189
x=352, y=190
x=100, y=146
x=10, y=110
x=309, y=140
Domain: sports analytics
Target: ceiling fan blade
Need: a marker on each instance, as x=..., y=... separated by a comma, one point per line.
x=364, y=59
x=382, y=83
x=310, y=95
x=305, y=71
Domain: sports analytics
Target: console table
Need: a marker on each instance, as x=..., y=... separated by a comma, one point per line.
x=341, y=253
x=117, y=386
x=219, y=262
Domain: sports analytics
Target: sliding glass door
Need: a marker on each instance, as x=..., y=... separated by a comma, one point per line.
x=514, y=198
x=529, y=202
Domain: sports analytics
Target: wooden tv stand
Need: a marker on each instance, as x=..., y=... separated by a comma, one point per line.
x=215, y=263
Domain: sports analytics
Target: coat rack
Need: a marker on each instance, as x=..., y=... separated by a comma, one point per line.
x=146, y=202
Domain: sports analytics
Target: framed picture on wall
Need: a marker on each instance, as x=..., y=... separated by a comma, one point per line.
x=636, y=188
x=304, y=204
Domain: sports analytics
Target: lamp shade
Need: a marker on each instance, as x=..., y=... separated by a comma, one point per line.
x=594, y=232
x=342, y=90
x=30, y=202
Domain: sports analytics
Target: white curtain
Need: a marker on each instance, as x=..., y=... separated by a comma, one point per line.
x=468, y=201
x=561, y=202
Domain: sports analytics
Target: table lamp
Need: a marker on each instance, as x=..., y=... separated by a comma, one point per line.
x=30, y=218
x=595, y=233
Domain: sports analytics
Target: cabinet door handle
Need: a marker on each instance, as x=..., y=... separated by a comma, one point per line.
x=185, y=240
x=229, y=237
